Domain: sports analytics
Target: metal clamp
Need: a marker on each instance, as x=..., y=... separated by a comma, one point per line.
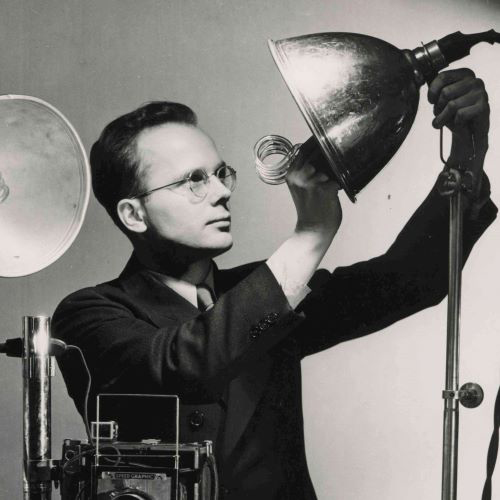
x=470, y=395
x=452, y=180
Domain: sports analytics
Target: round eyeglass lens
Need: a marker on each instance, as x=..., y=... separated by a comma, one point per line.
x=198, y=183
x=227, y=176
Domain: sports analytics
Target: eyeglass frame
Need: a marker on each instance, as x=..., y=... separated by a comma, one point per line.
x=187, y=179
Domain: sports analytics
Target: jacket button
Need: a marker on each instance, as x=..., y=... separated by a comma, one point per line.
x=272, y=317
x=262, y=326
x=254, y=332
x=196, y=419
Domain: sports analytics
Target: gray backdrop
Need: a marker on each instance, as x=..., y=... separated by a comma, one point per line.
x=373, y=407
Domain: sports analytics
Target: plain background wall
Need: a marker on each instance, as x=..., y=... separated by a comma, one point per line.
x=373, y=407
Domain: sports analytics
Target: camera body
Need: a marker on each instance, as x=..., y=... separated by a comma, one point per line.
x=148, y=470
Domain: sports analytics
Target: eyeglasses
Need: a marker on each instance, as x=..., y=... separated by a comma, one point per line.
x=198, y=181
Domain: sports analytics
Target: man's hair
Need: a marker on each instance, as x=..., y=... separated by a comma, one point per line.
x=114, y=161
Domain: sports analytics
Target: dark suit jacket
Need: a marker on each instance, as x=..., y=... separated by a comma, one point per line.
x=236, y=367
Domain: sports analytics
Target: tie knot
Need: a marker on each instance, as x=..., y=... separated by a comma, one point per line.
x=205, y=296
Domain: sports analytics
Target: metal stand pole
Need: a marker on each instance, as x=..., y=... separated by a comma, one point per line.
x=450, y=394
x=37, y=370
x=455, y=182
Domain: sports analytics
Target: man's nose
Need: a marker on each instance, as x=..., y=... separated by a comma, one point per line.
x=217, y=190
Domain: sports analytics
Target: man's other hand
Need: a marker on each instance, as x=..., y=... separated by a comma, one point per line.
x=461, y=104
x=315, y=196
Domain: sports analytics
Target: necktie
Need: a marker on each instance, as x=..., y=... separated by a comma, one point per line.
x=205, y=296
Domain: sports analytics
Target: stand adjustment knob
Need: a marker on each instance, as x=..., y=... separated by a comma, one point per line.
x=471, y=395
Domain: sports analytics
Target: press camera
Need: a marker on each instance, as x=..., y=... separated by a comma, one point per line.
x=140, y=471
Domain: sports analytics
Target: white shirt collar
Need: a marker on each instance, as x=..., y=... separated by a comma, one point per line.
x=185, y=289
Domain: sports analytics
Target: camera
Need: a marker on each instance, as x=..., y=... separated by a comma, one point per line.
x=111, y=466
x=141, y=471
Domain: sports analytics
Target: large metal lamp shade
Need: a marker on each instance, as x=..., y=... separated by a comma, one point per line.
x=357, y=94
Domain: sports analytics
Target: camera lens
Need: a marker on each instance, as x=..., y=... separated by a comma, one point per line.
x=130, y=495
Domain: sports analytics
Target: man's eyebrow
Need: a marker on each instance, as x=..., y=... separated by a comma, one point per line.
x=222, y=163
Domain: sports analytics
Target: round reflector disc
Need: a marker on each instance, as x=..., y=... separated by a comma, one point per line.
x=44, y=185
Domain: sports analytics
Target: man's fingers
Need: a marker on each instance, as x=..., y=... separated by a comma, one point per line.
x=322, y=177
x=455, y=90
x=447, y=115
x=446, y=78
x=453, y=113
x=306, y=173
x=461, y=104
x=467, y=114
x=308, y=181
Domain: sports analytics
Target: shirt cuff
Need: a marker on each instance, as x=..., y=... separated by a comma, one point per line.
x=296, y=295
x=295, y=292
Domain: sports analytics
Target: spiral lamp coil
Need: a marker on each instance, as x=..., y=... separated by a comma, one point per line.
x=274, y=172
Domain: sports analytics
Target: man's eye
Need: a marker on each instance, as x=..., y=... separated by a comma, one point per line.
x=222, y=172
x=197, y=176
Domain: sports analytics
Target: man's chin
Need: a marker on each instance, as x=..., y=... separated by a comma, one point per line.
x=221, y=247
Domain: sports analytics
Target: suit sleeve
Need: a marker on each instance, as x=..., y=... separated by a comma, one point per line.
x=356, y=300
x=194, y=359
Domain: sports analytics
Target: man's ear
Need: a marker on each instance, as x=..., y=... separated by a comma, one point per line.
x=132, y=215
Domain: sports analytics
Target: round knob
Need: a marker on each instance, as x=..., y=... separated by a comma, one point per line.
x=471, y=395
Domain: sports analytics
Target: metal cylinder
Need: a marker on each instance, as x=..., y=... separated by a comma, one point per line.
x=37, y=370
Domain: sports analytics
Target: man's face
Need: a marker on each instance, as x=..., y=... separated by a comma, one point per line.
x=169, y=153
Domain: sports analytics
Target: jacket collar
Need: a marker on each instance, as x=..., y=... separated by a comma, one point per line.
x=161, y=302
x=150, y=294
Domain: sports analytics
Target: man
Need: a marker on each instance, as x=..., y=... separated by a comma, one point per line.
x=236, y=363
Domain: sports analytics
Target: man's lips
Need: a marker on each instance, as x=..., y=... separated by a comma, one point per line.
x=225, y=219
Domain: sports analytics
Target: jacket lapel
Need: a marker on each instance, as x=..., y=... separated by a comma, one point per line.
x=162, y=304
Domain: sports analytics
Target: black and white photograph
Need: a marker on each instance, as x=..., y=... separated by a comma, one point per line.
x=249, y=250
